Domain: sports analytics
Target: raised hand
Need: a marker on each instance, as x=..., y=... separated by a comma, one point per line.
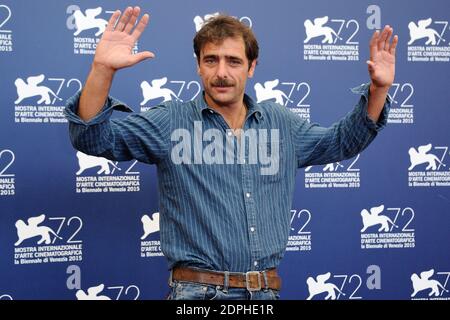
x=114, y=51
x=382, y=58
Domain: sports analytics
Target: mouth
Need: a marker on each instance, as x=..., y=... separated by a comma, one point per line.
x=222, y=88
x=222, y=84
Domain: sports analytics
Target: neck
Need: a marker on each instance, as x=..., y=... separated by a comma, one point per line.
x=233, y=113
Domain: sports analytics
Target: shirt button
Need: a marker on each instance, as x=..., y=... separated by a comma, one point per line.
x=247, y=195
x=252, y=229
x=229, y=133
x=255, y=263
x=243, y=161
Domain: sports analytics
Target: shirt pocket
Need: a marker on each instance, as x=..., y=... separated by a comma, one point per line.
x=271, y=166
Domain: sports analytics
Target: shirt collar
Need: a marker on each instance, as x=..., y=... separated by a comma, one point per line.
x=254, y=109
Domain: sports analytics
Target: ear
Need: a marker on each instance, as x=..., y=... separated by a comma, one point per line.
x=251, y=71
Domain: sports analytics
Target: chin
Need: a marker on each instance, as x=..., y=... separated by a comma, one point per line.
x=224, y=100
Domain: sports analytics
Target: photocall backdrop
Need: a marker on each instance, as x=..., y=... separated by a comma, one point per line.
x=372, y=227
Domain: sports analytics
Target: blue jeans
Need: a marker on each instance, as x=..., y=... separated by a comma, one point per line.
x=182, y=290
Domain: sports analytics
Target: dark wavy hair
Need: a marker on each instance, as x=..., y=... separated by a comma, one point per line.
x=217, y=29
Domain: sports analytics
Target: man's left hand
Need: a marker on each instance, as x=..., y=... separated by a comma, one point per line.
x=382, y=58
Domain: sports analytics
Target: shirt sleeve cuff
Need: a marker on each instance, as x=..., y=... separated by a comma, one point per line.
x=363, y=90
x=70, y=111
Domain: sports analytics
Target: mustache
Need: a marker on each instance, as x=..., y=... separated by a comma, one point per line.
x=221, y=82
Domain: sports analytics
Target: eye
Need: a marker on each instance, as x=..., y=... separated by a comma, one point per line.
x=209, y=60
x=235, y=62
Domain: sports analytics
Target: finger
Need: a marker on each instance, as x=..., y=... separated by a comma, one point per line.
x=132, y=22
x=373, y=47
x=393, y=45
x=382, y=38
x=112, y=21
x=371, y=65
x=141, y=56
x=387, y=44
x=140, y=26
x=124, y=19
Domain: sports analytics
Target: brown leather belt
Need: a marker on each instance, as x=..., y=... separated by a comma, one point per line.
x=252, y=280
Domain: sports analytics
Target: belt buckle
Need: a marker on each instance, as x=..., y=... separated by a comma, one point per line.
x=247, y=280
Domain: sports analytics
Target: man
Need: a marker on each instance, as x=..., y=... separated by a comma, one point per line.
x=226, y=165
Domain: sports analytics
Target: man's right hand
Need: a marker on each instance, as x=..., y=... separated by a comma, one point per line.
x=114, y=51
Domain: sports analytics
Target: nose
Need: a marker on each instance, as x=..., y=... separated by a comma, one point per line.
x=222, y=70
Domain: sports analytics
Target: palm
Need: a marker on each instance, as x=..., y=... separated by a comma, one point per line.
x=115, y=47
x=382, y=58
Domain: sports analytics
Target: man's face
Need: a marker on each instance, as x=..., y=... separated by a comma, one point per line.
x=224, y=70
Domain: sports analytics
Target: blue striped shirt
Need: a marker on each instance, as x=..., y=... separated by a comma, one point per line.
x=227, y=217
